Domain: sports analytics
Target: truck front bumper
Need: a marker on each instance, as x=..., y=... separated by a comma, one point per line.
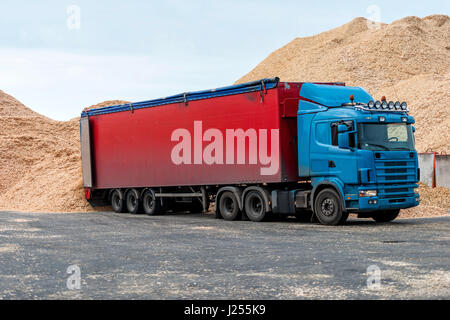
x=376, y=203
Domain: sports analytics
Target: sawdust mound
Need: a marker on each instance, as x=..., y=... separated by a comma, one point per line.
x=406, y=60
x=40, y=161
x=427, y=95
x=433, y=202
x=10, y=107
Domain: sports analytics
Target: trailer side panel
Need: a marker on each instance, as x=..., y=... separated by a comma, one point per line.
x=134, y=148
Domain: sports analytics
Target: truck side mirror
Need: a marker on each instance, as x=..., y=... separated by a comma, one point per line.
x=343, y=140
x=342, y=128
x=343, y=137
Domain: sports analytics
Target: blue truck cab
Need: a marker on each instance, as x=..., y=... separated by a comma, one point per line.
x=358, y=154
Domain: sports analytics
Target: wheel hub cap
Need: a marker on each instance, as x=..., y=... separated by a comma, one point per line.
x=327, y=207
x=229, y=206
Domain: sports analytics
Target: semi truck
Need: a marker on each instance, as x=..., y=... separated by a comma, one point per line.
x=316, y=151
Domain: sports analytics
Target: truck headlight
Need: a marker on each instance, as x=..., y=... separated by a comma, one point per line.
x=416, y=190
x=368, y=193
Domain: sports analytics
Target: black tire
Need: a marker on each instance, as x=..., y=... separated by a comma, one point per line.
x=117, y=201
x=229, y=206
x=133, y=201
x=150, y=204
x=386, y=215
x=255, y=206
x=328, y=209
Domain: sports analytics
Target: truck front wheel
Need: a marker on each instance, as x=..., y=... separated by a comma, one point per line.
x=117, y=201
x=328, y=209
x=386, y=215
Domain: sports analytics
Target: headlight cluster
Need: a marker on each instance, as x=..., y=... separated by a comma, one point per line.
x=384, y=105
x=368, y=193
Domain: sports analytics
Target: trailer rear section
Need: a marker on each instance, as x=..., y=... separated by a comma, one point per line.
x=235, y=146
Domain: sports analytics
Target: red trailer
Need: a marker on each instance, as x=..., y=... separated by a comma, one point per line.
x=193, y=148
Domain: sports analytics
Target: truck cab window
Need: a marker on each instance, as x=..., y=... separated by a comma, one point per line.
x=385, y=137
x=334, y=134
x=322, y=133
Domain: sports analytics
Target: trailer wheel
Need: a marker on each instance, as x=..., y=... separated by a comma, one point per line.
x=133, y=202
x=386, y=215
x=117, y=202
x=150, y=203
x=229, y=206
x=255, y=207
x=328, y=209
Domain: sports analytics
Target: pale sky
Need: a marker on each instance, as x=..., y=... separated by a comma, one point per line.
x=137, y=50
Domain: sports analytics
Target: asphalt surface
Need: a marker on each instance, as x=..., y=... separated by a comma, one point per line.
x=195, y=256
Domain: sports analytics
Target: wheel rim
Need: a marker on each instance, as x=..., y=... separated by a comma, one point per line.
x=228, y=206
x=116, y=201
x=133, y=201
x=256, y=205
x=150, y=202
x=328, y=207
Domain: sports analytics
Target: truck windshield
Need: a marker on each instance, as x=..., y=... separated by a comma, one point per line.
x=385, y=136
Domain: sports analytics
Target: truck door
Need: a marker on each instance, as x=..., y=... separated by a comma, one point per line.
x=327, y=159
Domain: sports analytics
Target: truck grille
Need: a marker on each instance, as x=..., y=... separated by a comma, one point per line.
x=396, y=179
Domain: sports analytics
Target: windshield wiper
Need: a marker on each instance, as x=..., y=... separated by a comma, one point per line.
x=378, y=145
x=401, y=148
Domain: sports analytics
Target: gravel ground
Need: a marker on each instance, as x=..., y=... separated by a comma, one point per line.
x=194, y=256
